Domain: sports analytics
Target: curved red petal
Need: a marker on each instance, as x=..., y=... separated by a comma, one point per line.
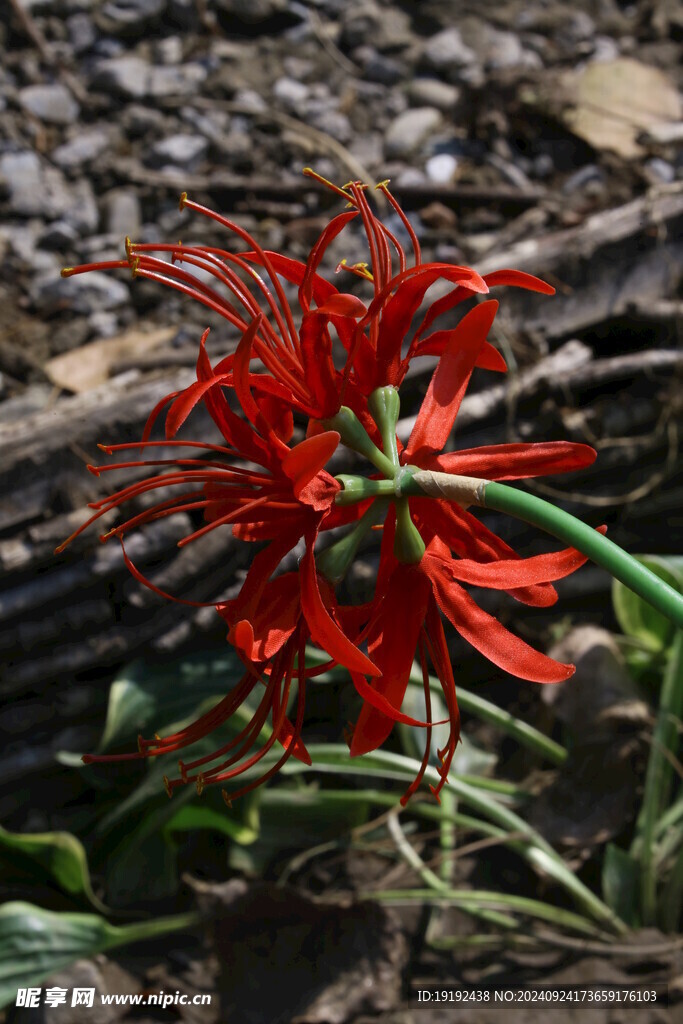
x=487, y=635
x=507, y=574
x=392, y=641
x=307, y=458
x=343, y=304
x=464, y=534
x=489, y=358
x=324, y=631
x=449, y=381
x=514, y=461
x=518, y=279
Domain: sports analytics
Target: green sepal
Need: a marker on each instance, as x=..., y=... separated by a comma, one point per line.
x=408, y=544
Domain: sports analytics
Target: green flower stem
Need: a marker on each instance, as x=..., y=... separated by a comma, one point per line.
x=358, y=488
x=354, y=435
x=408, y=544
x=540, y=513
x=385, y=406
x=334, y=562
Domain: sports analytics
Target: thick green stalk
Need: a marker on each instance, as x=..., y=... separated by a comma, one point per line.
x=560, y=524
x=334, y=562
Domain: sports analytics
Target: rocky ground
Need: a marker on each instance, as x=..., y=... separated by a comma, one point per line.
x=521, y=133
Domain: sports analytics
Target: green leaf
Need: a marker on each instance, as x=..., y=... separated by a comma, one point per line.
x=198, y=816
x=50, y=859
x=620, y=882
x=636, y=617
x=148, y=696
x=35, y=943
x=294, y=819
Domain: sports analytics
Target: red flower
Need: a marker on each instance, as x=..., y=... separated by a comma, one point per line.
x=399, y=627
x=296, y=349
x=283, y=495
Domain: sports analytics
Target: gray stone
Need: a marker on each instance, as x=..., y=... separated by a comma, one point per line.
x=103, y=323
x=82, y=212
x=377, y=67
x=169, y=50
x=35, y=189
x=82, y=33
x=59, y=235
x=251, y=10
x=500, y=50
x=180, y=150
x=138, y=79
x=660, y=171
x=122, y=15
x=53, y=104
x=331, y=122
x=410, y=130
x=387, y=27
x=123, y=215
x=85, y=293
x=250, y=100
x=82, y=149
x=589, y=174
x=446, y=51
x=290, y=93
x=441, y=168
x=431, y=92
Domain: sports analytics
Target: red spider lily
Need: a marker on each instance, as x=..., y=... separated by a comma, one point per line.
x=301, y=373
x=464, y=534
x=286, y=499
x=283, y=495
x=398, y=627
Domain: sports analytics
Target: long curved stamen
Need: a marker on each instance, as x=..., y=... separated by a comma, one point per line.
x=215, y=261
x=383, y=187
x=250, y=241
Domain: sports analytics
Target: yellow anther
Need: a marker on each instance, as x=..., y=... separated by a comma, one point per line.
x=167, y=787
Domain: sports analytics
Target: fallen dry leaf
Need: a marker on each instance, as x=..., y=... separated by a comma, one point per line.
x=88, y=366
x=611, y=102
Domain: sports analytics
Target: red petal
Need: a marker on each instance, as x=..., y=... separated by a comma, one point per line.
x=488, y=635
x=387, y=710
x=320, y=492
x=324, y=631
x=466, y=536
x=277, y=414
x=307, y=458
x=270, y=622
x=310, y=279
x=506, y=574
x=518, y=279
x=449, y=382
x=286, y=735
x=343, y=304
x=499, y=277
x=514, y=461
x=410, y=289
x=392, y=640
x=319, y=372
x=489, y=357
